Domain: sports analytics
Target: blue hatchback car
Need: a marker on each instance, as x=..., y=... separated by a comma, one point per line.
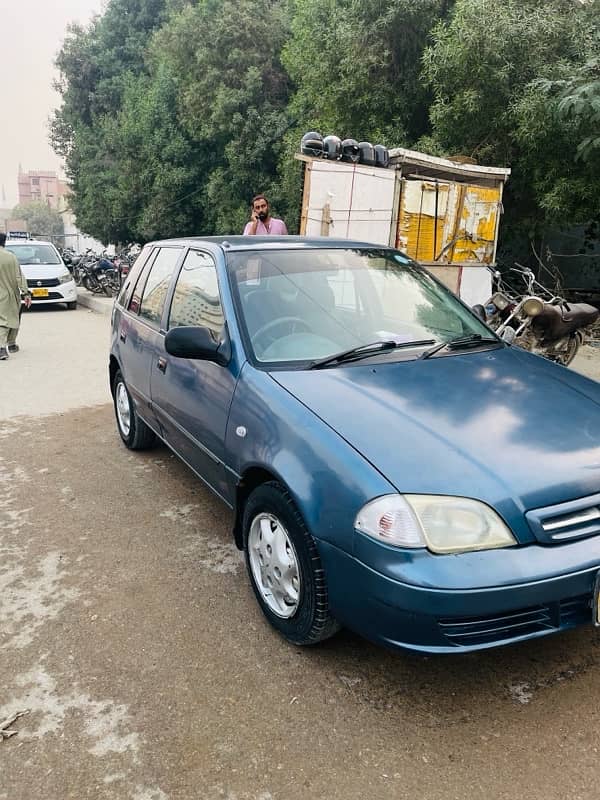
x=393, y=466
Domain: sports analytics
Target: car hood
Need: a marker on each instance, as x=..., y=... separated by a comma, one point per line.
x=500, y=425
x=42, y=271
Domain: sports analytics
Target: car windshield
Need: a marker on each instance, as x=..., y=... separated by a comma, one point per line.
x=303, y=305
x=34, y=253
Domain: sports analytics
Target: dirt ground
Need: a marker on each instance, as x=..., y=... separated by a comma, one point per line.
x=129, y=633
x=587, y=361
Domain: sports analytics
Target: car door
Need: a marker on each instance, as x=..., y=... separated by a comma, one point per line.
x=139, y=327
x=192, y=397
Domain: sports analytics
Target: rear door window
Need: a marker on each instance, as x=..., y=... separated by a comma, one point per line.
x=157, y=284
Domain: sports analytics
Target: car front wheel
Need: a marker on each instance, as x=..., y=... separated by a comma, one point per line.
x=133, y=431
x=284, y=567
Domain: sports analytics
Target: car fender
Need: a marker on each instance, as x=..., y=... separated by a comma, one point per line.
x=270, y=434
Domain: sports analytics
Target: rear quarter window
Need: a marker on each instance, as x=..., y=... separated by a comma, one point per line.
x=132, y=277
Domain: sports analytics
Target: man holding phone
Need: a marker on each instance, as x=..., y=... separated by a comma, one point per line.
x=262, y=223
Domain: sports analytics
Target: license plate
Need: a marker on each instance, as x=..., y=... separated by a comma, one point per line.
x=596, y=602
x=39, y=292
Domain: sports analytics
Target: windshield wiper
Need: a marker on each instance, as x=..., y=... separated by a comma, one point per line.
x=365, y=351
x=462, y=343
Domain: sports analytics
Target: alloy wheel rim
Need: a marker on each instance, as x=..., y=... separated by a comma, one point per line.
x=123, y=409
x=274, y=565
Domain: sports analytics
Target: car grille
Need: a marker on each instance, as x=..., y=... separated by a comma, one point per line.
x=572, y=520
x=35, y=282
x=523, y=622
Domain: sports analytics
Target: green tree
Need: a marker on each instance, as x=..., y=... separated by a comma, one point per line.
x=95, y=61
x=178, y=131
x=160, y=187
x=356, y=67
x=96, y=66
x=42, y=220
x=487, y=68
x=233, y=97
x=576, y=96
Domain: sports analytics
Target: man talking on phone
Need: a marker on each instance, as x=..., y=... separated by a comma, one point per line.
x=262, y=223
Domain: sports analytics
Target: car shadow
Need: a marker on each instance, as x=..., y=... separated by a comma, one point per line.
x=433, y=689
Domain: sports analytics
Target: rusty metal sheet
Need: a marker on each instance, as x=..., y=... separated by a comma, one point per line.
x=446, y=222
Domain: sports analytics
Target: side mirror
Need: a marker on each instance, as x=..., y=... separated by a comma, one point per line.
x=480, y=311
x=198, y=343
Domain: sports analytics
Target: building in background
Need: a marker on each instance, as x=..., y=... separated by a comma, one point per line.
x=42, y=186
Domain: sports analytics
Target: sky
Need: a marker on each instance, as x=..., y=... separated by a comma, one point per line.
x=31, y=35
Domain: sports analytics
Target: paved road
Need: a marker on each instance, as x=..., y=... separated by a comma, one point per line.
x=62, y=365
x=128, y=629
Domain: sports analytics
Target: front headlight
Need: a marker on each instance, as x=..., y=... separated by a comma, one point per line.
x=440, y=523
x=65, y=277
x=532, y=306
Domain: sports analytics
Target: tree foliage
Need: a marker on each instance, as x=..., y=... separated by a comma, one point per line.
x=96, y=65
x=490, y=83
x=576, y=99
x=356, y=65
x=175, y=112
x=233, y=98
x=42, y=220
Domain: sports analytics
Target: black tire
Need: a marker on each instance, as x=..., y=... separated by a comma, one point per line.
x=566, y=356
x=311, y=621
x=72, y=305
x=136, y=435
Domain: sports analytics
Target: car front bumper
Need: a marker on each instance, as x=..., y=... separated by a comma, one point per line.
x=63, y=293
x=431, y=619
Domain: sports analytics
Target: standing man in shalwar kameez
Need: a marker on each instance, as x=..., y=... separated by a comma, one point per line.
x=13, y=286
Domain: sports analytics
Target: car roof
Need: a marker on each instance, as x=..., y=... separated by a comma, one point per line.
x=27, y=242
x=230, y=243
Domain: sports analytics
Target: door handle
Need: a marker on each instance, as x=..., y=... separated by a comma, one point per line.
x=162, y=364
x=122, y=336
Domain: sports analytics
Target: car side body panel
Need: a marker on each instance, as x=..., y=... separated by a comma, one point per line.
x=134, y=346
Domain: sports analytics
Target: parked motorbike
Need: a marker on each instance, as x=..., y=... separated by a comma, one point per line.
x=538, y=320
x=80, y=265
x=68, y=256
x=124, y=260
x=98, y=275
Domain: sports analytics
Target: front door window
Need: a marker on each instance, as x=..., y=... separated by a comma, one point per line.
x=196, y=298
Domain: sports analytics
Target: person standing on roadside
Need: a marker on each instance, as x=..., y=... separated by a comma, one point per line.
x=262, y=223
x=13, y=285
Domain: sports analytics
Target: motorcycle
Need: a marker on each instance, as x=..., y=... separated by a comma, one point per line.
x=538, y=320
x=99, y=276
x=81, y=264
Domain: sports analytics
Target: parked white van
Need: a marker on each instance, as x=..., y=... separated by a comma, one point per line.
x=48, y=278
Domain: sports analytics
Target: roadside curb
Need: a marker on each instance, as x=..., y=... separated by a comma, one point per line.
x=101, y=305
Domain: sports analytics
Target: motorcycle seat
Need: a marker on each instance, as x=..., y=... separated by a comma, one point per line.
x=581, y=313
x=555, y=322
